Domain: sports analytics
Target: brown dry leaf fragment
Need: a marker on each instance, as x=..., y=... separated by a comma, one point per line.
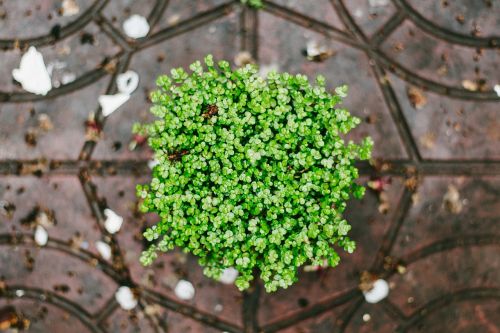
x=442, y=70
x=428, y=140
x=366, y=281
x=44, y=122
x=470, y=85
x=211, y=110
x=40, y=216
x=109, y=65
x=36, y=168
x=398, y=47
x=7, y=209
x=93, y=130
x=416, y=97
x=152, y=310
x=451, y=200
x=318, y=53
x=30, y=137
x=70, y=8
x=412, y=183
x=243, y=58
x=11, y=320
x=460, y=18
x=76, y=241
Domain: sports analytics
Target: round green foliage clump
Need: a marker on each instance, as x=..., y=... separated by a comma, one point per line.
x=252, y=173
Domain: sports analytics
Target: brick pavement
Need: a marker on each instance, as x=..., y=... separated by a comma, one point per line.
x=421, y=76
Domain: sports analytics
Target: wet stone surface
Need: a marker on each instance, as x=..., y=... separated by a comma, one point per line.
x=421, y=76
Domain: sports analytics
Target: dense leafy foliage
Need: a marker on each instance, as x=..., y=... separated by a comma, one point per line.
x=252, y=172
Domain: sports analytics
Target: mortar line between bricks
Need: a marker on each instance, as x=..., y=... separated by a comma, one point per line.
x=390, y=236
x=311, y=311
x=346, y=315
x=396, y=113
x=443, y=300
x=384, y=61
x=311, y=24
x=249, y=21
x=385, y=87
x=139, y=167
x=387, y=29
x=443, y=33
x=89, y=145
x=190, y=311
x=61, y=246
x=114, y=34
x=90, y=191
x=157, y=12
x=187, y=25
x=66, y=31
x=57, y=301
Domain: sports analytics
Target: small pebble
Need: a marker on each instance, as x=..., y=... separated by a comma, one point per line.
x=113, y=221
x=136, y=26
x=379, y=291
x=126, y=298
x=41, y=236
x=104, y=249
x=229, y=275
x=184, y=290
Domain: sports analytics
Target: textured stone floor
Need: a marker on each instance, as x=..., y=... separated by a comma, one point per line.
x=421, y=75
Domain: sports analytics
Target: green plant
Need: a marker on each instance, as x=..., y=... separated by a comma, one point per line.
x=253, y=3
x=252, y=172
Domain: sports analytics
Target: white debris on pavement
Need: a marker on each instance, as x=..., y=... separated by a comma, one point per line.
x=136, y=26
x=229, y=275
x=184, y=290
x=113, y=221
x=379, y=291
x=104, y=249
x=110, y=103
x=41, y=235
x=126, y=298
x=497, y=89
x=32, y=73
x=127, y=82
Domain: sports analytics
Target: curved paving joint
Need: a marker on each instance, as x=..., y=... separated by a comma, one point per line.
x=421, y=76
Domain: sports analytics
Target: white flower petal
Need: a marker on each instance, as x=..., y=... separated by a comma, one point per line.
x=229, y=275
x=184, y=290
x=32, y=73
x=113, y=221
x=125, y=298
x=109, y=103
x=379, y=291
x=41, y=235
x=127, y=82
x=104, y=249
x=136, y=26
